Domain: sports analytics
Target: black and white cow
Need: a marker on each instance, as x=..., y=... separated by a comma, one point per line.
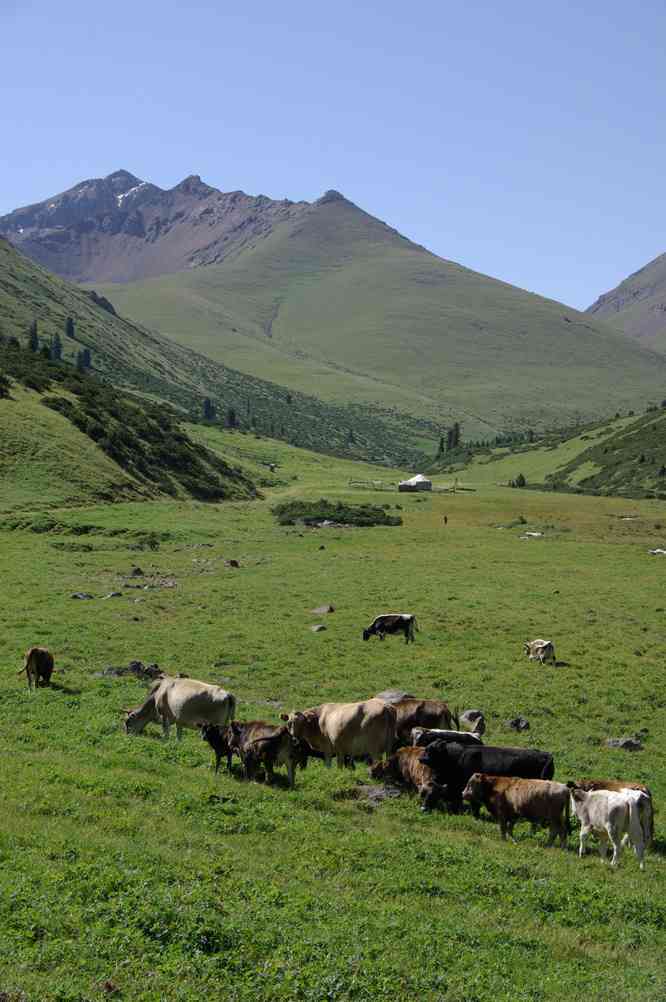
x=392, y=622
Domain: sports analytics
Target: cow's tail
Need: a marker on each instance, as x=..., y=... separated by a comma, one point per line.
x=548, y=770
x=636, y=830
x=455, y=717
x=567, y=813
x=232, y=707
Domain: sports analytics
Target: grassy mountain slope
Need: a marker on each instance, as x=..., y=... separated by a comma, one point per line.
x=637, y=306
x=69, y=438
x=625, y=456
x=340, y=304
x=140, y=360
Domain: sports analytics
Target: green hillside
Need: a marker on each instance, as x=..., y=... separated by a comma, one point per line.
x=625, y=456
x=339, y=304
x=67, y=438
x=137, y=359
x=637, y=306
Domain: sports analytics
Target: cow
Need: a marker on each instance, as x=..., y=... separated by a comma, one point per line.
x=256, y=742
x=611, y=815
x=455, y=764
x=540, y=650
x=617, y=786
x=38, y=666
x=423, y=736
x=345, y=731
x=474, y=721
x=184, y=702
x=510, y=799
x=412, y=712
x=406, y=769
x=392, y=622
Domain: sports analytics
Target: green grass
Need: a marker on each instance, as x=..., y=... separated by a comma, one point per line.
x=338, y=304
x=125, y=862
x=134, y=358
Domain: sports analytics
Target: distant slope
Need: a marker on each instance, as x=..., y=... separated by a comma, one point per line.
x=637, y=306
x=340, y=304
x=327, y=300
x=68, y=438
x=625, y=456
x=140, y=360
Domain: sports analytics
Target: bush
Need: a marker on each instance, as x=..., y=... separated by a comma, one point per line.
x=313, y=512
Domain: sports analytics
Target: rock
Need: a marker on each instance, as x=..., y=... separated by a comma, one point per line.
x=231, y=563
x=136, y=668
x=136, y=572
x=626, y=743
x=321, y=610
x=518, y=724
x=113, y=594
x=322, y=547
x=82, y=595
x=394, y=695
x=317, y=628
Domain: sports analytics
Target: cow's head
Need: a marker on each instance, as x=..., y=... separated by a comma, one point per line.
x=134, y=724
x=474, y=789
x=435, y=754
x=296, y=723
x=379, y=770
x=526, y=647
x=367, y=634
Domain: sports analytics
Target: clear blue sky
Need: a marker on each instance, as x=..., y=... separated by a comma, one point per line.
x=522, y=139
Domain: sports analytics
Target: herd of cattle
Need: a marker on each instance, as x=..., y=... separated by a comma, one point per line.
x=417, y=744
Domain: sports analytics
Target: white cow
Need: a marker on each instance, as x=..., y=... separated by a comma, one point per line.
x=423, y=736
x=184, y=702
x=540, y=650
x=611, y=815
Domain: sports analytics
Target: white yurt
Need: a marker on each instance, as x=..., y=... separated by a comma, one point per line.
x=417, y=483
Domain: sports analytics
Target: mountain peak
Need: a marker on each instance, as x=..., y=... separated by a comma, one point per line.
x=193, y=185
x=331, y=196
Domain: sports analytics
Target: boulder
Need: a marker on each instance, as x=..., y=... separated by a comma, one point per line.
x=322, y=610
x=82, y=595
x=626, y=743
x=317, y=628
x=518, y=724
x=394, y=695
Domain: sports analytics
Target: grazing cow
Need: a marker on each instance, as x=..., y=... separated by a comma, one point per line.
x=184, y=702
x=510, y=799
x=38, y=666
x=611, y=815
x=455, y=764
x=617, y=786
x=392, y=622
x=256, y=742
x=474, y=721
x=406, y=769
x=345, y=730
x=428, y=713
x=423, y=736
x=540, y=650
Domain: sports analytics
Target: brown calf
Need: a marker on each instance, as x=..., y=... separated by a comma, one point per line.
x=406, y=769
x=38, y=666
x=509, y=799
x=421, y=713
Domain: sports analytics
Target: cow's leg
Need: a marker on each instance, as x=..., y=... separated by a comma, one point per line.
x=503, y=827
x=340, y=760
x=584, y=832
x=603, y=845
x=291, y=774
x=166, y=726
x=229, y=758
x=179, y=732
x=617, y=850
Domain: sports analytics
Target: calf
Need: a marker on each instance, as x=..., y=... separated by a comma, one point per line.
x=509, y=799
x=406, y=769
x=392, y=622
x=257, y=743
x=540, y=650
x=617, y=786
x=38, y=666
x=424, y=736
x=455, y=764
x=611, y=815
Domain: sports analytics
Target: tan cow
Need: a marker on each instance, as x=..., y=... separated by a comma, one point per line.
x=346, y=730
x=540, y=650
x=509, y=799
x=427, y=713
x=38, y=666
x=184, y=702
x=406, y=769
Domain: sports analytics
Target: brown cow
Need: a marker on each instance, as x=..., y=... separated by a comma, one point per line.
x=428, y=713
x=345, y=731
x=617, y=786
x=260, y=743
x=509, y=799
x=38, y=666
x=406, y=769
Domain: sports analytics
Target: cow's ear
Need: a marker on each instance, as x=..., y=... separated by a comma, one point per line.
x=284, y=716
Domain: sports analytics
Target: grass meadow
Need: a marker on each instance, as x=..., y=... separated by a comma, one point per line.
x=129, y=871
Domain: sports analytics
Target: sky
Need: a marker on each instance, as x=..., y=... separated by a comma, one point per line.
x=524, y=140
